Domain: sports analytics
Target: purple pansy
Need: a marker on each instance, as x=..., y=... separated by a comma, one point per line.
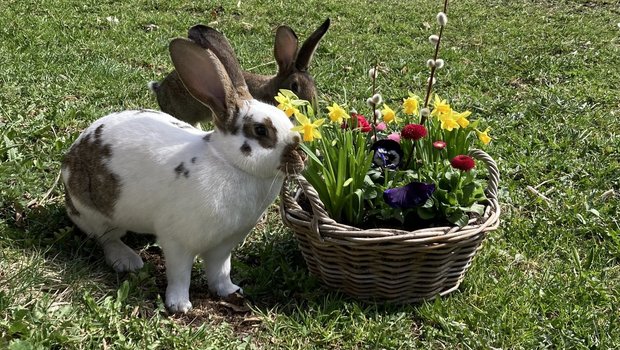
x=409, y=196
x=388, y=154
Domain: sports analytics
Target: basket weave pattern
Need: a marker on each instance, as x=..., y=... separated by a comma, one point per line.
x=387, y=264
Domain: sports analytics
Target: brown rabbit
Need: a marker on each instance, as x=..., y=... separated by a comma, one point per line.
x=292, y=73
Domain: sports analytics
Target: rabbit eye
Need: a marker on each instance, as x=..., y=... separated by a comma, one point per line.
x=295, y=87
x=260, y=130
x=264, y=132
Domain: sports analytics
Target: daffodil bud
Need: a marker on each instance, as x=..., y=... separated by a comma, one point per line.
x=439, y=63
x=434, y=39
x=430, y=63
x=376, y=99
x=442, y=19
x=425, y=112
x=372, y=73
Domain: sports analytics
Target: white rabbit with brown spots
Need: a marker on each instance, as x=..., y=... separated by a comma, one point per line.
x=199, y=192
x=292, y=73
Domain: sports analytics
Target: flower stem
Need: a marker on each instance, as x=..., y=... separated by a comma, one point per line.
x=410, y=154
x=374, y=105
x=429, y=87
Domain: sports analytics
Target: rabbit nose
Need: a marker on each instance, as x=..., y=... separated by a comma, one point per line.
x=293, y=160
x=296, y=149
x=301, y=154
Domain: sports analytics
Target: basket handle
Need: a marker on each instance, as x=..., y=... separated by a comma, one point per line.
x=493, y=182
x=319, y=214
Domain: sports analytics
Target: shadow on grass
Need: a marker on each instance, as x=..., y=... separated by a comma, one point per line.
x=269, y=266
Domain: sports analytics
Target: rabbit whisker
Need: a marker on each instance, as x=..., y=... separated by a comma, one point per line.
x=266, y=199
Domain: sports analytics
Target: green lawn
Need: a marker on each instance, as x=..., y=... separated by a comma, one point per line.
x=543, y=73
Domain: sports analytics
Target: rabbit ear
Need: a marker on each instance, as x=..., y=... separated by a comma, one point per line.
x=309, y=46
x=206, y=79
x=285, y=48
x=210, y=39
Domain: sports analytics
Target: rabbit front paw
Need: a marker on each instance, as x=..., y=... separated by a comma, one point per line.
x=178, y=306
x=226, y=288
x=177, y=300
x=121, y=257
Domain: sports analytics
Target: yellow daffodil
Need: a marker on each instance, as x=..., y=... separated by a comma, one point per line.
x=483, y=136
x=411, y=105
x=461, y=118
x=285, y=103
x=388, y=114
x=440, y=107
x=337, y=114
x=309, y=130
x=448, y=122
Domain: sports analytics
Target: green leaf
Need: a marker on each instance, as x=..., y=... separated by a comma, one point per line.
x=398, y=215
x=19, y=328
x=370, y=194
x=429, y=203
x=448, y=175
x=467, y=192
x=459, y=218
x=22, y=345
x=368, y=180
x=475, y=208
x=358, y=208
x=310, y=154
x=425, y=213
x=121, y=294
x=288, y=93
x=298, y=103
x=452, y=198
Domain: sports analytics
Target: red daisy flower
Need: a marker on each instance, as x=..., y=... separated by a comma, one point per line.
x=439, y=144
x=463, y=162
x=413, y=132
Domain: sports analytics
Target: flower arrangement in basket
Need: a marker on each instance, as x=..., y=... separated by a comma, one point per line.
x=392, y=207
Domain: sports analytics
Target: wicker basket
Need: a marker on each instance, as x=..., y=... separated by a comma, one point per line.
x=387, y=265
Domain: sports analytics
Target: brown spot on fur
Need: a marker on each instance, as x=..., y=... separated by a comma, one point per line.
x=226, y=121
x=292, y=160
x=265, y=133
x=246, y=149
x=98, y=133
x=181, y=169
x=90, y=181
x=232, y=126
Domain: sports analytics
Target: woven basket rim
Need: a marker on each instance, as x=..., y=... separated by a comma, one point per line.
x=328, y=229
